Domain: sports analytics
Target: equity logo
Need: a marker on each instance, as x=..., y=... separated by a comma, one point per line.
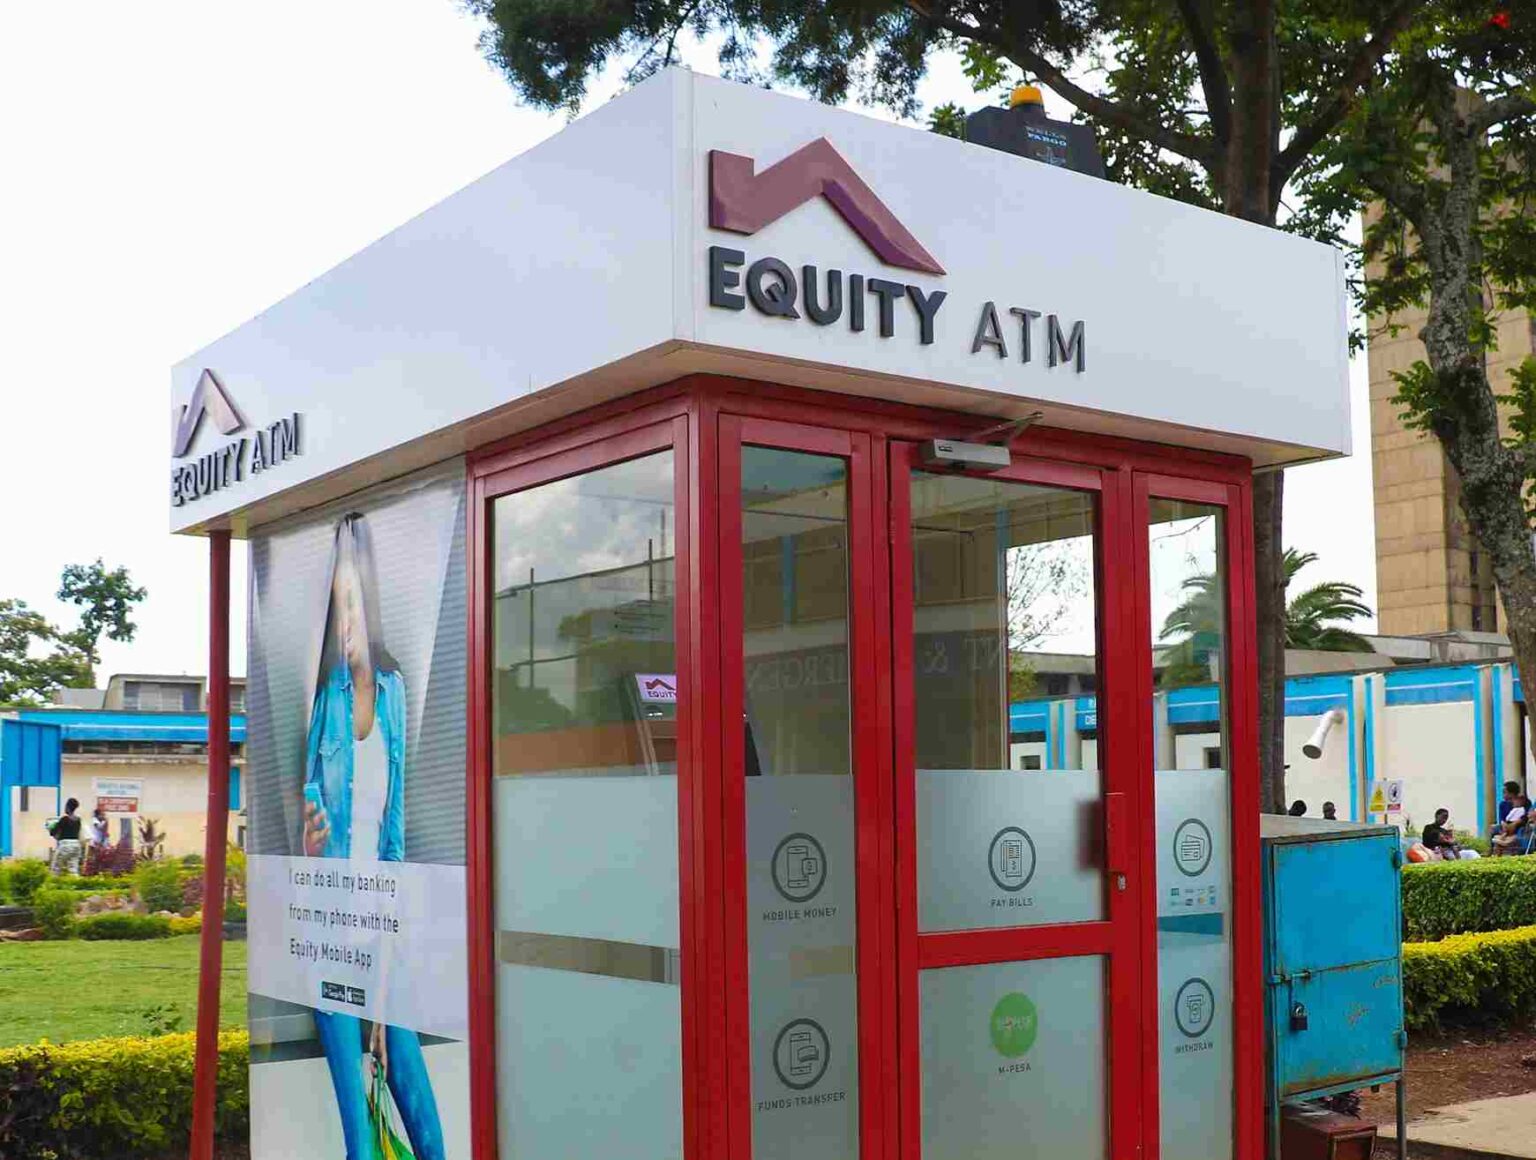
x=208, y=398
x=743, y=201
x=230, y=463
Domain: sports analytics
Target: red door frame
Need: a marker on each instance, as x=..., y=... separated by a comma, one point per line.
x=1242, y=736
x=1115, y=938
x=701, y=417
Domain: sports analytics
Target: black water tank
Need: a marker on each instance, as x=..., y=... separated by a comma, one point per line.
x=1024, y=129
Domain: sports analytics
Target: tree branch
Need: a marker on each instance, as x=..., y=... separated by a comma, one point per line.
x=1184, y=144
x=1337, y=107
x=1507, y=108
x=1213, y=72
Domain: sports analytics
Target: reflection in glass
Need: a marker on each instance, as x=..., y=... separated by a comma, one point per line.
x=1005, y=667
x=584, y=753
x=800, y=806
x=1194, y=947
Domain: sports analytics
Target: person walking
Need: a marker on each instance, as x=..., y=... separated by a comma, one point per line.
x=66, y=832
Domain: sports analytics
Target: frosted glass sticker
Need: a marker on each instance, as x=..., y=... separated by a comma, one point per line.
x=587, y=1066
x=1008, y=848
x=802, y=926
x=1194, y=964
x=1013, y=1061
x=589, y=856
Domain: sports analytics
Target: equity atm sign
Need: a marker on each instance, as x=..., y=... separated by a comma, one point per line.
x=743, y=201
x=260, y=450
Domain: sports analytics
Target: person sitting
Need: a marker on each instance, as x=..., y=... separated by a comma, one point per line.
x=1298, y=809
x=1509, y=839
x=1510, y=801
x=1330, y=812
x=1439, y=838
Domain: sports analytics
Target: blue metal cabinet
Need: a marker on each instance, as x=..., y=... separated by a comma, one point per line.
x=1332, y=958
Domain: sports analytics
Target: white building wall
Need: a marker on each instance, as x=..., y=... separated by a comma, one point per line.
x=1432, y=749
x=1325, y=779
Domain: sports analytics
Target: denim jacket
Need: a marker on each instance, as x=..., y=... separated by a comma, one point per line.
x=328, y=760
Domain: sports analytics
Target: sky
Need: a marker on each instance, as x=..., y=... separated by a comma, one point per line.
x=168, y=170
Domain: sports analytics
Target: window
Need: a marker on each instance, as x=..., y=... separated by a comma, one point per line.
x=1188, y=579
x=26, y=799
x=161, y=696
x=584, y=816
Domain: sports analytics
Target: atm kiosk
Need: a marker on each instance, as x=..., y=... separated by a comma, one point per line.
x=751, y=650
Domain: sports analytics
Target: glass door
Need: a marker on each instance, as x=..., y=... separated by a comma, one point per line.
x=1018, y=916
x=801, y=773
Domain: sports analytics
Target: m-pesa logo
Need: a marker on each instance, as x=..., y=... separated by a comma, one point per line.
x=264, y=448
x=744, y=201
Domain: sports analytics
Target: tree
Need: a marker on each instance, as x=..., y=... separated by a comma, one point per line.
x=1445, y=148
x=27, y=678
x=38, y=658
x=1219, y=102
x=1311, y=616
x=1196, y=625
x=107, y=599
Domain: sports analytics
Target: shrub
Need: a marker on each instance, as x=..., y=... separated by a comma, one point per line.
x=192, y=893
x=117, y=1098
x=181, y=925
x=234, y=912
x=194, y=861
x=25, y=877
x=114, y=860
x=1469, y=978
x=54, y=911
x=123, y=926
x=158, y=885
x=1443, y=898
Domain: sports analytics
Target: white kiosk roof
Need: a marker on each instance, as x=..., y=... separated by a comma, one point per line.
x=589, y=267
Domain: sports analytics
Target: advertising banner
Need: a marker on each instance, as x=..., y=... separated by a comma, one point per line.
x=356, y=694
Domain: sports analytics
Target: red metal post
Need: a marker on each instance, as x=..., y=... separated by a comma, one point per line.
x=206, y=1073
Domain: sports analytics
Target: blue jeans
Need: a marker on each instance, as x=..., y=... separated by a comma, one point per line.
x=342, y=1038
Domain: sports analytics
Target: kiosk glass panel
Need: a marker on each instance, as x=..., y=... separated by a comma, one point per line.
x=1005, y=664
x=1013, y=1061
x=1188, y=573
x=584, y=752
x=801, y=919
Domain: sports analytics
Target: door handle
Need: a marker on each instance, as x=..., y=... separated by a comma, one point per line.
x=1117, y=863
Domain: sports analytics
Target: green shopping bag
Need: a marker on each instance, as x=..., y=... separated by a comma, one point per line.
x=387, y=1142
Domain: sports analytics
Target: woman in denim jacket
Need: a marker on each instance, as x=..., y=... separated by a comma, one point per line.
x=354, y=794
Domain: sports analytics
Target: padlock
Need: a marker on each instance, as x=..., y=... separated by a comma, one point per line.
x=1298, y=1016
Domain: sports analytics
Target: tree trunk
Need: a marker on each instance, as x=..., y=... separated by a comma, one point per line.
x=1465, y=419
x=1269, y=611
x=1247, y=165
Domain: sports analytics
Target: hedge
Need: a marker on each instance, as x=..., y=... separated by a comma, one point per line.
x=120, y=925
x=114, y=1099
x=1444, y=898
x=1469, y=978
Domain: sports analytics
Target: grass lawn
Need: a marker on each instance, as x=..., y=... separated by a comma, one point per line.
x=87, y=990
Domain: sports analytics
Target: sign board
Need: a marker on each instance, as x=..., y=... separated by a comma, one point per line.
x=1395, y=796
x=656, y=688
x=1378, y=799
x=714, y=227
x=117, y=795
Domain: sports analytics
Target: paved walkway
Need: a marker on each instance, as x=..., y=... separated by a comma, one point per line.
x=1497, y=1129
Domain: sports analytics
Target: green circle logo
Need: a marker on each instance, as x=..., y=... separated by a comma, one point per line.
x=1014, y=1025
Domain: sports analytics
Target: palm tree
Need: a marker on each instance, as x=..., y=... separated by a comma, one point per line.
x=1196, y=624
x=1307, y=615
